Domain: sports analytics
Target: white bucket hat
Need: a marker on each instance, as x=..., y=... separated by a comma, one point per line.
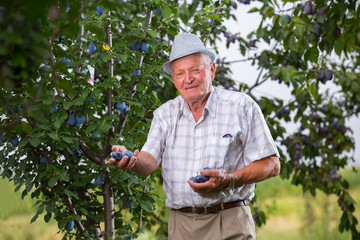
x=186, y=44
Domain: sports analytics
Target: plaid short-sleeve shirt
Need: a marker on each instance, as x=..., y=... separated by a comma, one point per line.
x=231, y=134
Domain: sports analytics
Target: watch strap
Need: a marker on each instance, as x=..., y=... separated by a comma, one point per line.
x=231, y=183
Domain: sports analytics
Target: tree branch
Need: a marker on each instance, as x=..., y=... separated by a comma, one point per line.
x=84, y=195
x=257, y=83
x=212, y=23
x=79, y=225
x=11, y=125
x=89, y=154
x=109, y=209
x=141, y=211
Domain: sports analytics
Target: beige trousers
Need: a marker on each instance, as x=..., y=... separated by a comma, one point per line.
x=231, y=224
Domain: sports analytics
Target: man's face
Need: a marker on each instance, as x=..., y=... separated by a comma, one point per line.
x=192, y=76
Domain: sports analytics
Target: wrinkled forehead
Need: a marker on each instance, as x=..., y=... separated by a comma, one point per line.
x=190, y=61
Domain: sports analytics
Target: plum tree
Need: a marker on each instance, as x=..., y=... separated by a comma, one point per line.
x=44, y=70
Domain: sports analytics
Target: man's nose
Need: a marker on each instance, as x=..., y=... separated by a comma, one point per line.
x=188, y=78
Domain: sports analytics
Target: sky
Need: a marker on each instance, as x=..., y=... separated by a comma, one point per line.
x=245, y=72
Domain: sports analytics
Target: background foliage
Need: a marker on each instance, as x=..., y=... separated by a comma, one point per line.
x=57, y=129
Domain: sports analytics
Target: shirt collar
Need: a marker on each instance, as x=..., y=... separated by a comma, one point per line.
x=210, y=106
x=211, y=103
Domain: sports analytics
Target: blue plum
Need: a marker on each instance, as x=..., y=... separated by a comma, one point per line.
x=71, y=120
x=318, y=29
x=99, y=11
x=137, y=72
x=201, y=178
x=288, y=18
x=65, y=60
x=92, y=47
x=157, y=10
x=145, y=47
x=94, y=136
x=122, y=107
x=99, y=180
x=128, y=153
x=69, y=226
x=309, y=8
x=54, y=109
x=80, y=120
x=76, y=153
x=136, y=45
x=328, y=74
x=2, y=137
x=117, y=156
x=14, y=141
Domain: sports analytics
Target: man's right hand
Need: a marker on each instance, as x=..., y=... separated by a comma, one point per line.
x=125, y=162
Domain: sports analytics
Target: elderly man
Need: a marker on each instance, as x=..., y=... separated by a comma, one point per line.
x=206, y=127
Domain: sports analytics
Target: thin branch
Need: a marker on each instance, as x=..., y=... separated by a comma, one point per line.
x=89, y=153
x=84, y=195
x=132, y=129
x=79, y=39
x=11, y=125
x=132, y=91
x=141, y=211
x=212, y=23
x=257, y=83
x=79, y=225
x=241, y=60
x=283, y=107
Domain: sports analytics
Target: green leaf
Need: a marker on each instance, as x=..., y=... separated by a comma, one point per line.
x=147, y=206
x=67, y=139
x=91, y=128
x=52, y=181
x=313, y=89
x=34, y=218
x=298, y=20
x=207, y=9
x=47, y=217
x=69, y=193
x=297, y=73
x=216, y=17
x=63, y=176
x=339, y=46
x=83, y=211
x=300, y=88
x=254, y=10
x=35, y=142
x=67, y=105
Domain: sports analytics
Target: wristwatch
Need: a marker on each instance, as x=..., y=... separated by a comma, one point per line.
x=232, y=182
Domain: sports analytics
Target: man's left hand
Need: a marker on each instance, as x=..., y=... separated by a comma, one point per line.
x=218, y=180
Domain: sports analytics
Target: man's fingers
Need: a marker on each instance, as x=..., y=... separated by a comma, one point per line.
x=112, y=161
x=132, y=162
x=118, y=148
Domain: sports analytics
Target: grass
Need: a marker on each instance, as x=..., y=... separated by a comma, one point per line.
x=10, y=202
x=291, y=215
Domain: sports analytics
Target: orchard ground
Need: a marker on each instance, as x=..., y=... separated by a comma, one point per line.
x=291, y=215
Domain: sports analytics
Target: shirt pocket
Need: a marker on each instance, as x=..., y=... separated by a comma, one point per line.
x=222, y=152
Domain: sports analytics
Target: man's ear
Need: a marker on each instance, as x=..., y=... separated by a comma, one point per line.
x=213, y=70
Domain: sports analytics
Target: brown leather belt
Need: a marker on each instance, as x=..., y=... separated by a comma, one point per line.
x=214, y=208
